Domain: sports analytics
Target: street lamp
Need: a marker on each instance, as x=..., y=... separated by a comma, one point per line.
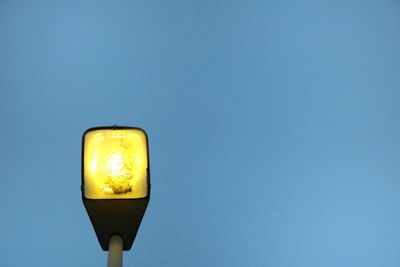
x=115, y=185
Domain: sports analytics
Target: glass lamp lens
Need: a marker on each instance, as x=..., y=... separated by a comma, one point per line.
x=115, y=164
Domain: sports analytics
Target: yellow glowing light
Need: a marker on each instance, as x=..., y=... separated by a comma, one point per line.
x=115, y=163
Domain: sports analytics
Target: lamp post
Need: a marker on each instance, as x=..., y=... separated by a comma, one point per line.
x=115, y=185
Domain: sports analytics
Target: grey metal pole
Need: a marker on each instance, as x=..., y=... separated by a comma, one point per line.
x=115, y=247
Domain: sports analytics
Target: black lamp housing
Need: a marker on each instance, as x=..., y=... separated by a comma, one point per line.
x=115, y=216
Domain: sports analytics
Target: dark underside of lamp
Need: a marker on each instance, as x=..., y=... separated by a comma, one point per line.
x=116, y=217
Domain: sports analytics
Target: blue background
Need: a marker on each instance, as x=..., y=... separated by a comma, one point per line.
x=274, y=129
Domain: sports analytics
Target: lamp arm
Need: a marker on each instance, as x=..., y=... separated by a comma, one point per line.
x=115, y=251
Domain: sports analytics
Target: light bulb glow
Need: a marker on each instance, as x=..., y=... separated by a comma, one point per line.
x=115, y=164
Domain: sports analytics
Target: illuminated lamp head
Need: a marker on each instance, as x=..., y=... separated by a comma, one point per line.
x=115, y=181
x=115, y=163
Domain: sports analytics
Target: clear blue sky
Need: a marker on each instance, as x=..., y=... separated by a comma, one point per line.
x=273, y=126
